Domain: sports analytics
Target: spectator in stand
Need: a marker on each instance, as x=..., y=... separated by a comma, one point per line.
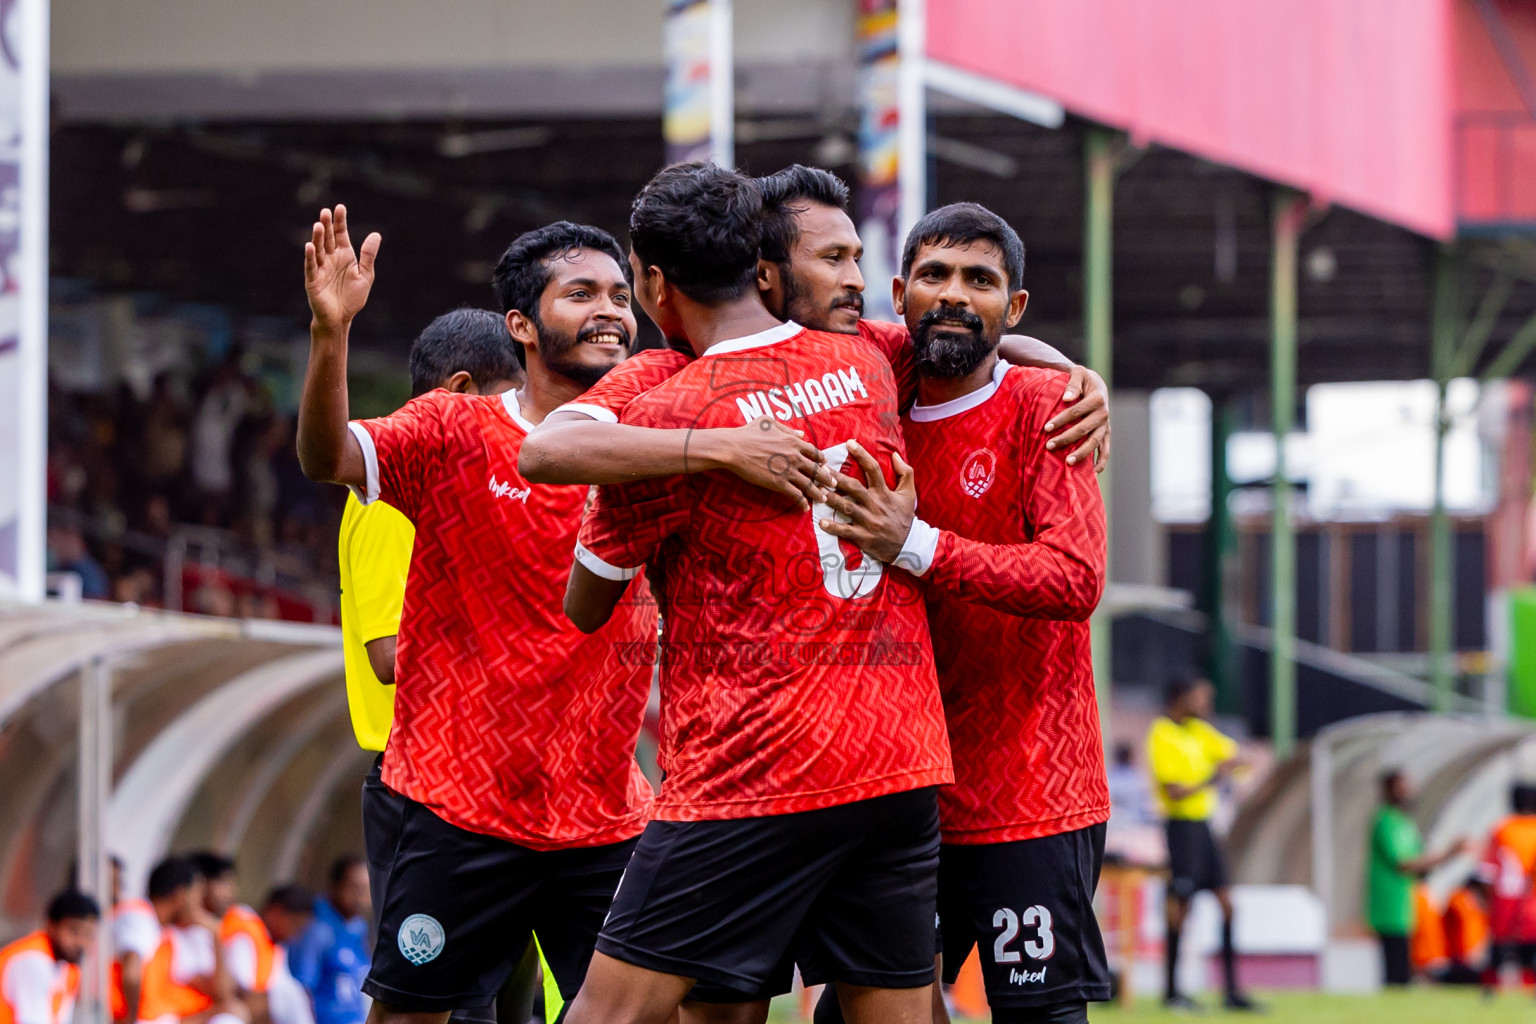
x=40, y=972
x=1130, y=797
x=288, y=912
x=219, y=415
x=67, y=553
x=1507, y=868
x=1189, y=759
x=331, y=958
x=1396, y=862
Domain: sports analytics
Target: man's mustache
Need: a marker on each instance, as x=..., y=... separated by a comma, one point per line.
x=854, y=302
x=950, y=315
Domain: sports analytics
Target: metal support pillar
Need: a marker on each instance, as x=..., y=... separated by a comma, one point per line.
x=1098, y=341
x=95, y=788
x=1441, y=607
x=912, y=115
x=1287, y=213
x=1221, y=564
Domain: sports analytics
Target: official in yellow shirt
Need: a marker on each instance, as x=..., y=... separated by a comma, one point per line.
x=375, y=555
x=1189, y=757
x=467, y=351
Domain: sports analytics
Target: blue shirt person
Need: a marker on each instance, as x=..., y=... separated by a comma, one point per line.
x=330, y=959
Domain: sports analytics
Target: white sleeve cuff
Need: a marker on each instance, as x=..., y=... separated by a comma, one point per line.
x=370, y=490
x=598, y=567
x=922, y=543
x=596, y=412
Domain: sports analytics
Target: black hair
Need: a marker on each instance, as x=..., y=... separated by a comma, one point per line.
x=1386, y=778
x=1522, y=797
x=1124, y=752
x=293, y=898
x=522, y=273
x=212, y=865
x=784, y=194
x=116, y=861
x=169, y=875
x=341, y=865
x=1178, y=687
x=72, y=904
x=962, y=223
x=703, y=226
x=473, y=340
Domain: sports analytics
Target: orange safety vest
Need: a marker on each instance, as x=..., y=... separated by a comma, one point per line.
x=241, y=920
x=1467, y=932
x=1426, y=947
x=162, y=995
x=62, y=992
x=117, y=1000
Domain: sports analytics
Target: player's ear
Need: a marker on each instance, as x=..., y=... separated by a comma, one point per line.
x=769, y=278
x=1016, y=303
x=521, y=327
x=899, y=295
x=462, y=383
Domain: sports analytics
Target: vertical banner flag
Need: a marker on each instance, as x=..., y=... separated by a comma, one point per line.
x=879, y=205
x=23, y=295
x=698, y=119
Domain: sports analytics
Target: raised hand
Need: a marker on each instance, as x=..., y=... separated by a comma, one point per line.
x=337, y=278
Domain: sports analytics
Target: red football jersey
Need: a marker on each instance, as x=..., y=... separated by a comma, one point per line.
x=1018, y=566
x=621, y=385
x=647, y=368
x=796, y=673
x=508, y=720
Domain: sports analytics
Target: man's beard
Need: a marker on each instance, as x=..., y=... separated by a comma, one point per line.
x=798, y=304
x=558, y=350
x=951, y=342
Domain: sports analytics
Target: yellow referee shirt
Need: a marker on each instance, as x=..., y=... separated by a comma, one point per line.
x=1186, y=754
x=375, y=554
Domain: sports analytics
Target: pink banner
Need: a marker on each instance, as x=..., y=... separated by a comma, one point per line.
x=1349, y=100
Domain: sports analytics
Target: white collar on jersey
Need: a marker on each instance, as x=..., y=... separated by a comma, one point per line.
x=772, y=336
x=955, y=406
x=509, y=402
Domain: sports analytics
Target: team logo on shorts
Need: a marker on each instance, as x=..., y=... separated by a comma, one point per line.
x=977, y=472
x=421, y=939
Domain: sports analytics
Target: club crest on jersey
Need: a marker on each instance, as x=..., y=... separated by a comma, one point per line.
x=421, y=939
x=506, y=490
x=977, y=472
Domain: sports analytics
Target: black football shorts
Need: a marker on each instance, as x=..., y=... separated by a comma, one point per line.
x=1029, y=906
x=847, y=892
x=457, y=909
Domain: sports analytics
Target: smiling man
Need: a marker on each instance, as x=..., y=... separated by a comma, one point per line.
x=1012, y=556
x=511, y=820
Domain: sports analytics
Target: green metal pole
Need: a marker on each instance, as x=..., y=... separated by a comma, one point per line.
x=1441, y=609
x=1221, y=567
x=1287, y=213
x=1098, y=218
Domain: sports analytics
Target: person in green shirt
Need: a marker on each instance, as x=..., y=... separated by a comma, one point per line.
x=1396, y=862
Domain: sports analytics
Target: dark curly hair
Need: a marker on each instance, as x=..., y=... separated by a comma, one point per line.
x=784, y=194
x=522, y=273
x=702, y=225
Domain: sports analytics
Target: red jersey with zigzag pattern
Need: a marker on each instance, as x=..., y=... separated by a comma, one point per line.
x=1018, y=568
x=508, y=720
x=796, y=674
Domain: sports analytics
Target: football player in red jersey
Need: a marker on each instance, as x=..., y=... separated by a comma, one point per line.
x=802, y=732
x=808, y=272
x=1011, y=549
x=511, y=820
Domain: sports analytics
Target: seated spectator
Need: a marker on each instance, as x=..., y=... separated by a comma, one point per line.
x=40, y=972
x=67, y=553
x=249, y=953
x=331, y=958
x=1467, y=935
x=185, y=980
x=287, y=912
